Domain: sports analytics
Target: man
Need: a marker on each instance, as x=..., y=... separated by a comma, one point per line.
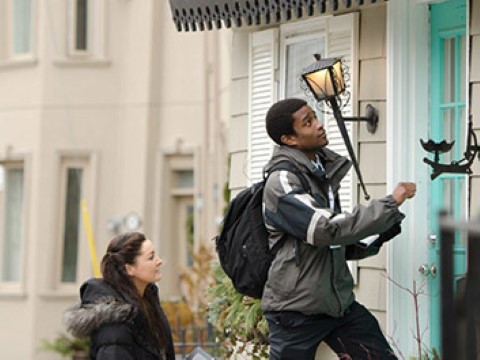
x=308, y=297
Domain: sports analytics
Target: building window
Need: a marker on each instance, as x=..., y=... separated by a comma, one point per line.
x=298, y=49
x=21, y=26
x=81, y=25
x=16, y=30
x=182, y=191
x=180, y=207
x=73, y=262
x=86, y=29
x=71, y=221
x=184, y=179
x=11, y=221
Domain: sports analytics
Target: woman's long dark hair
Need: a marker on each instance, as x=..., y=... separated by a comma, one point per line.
x=123, y=249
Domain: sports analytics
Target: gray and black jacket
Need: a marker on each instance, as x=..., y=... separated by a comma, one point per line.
x=115, y=325
x=310, y=275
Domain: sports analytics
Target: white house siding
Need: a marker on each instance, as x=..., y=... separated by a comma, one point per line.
x=148, y=95
x=475, y=98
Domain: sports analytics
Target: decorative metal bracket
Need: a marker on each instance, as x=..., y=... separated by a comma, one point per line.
x=462, y=166
x=371, y=118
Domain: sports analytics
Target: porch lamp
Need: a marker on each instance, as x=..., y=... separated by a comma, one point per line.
x=325, y=79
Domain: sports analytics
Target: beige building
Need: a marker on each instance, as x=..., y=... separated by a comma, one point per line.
x=417, y=62
x=101, y=101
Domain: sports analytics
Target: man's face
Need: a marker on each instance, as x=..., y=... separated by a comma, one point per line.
x=310, y=135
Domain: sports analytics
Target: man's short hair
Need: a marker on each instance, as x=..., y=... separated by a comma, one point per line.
x=279, y=119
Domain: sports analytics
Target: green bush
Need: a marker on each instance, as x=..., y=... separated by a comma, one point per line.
x=238, y=319
x=66, y=345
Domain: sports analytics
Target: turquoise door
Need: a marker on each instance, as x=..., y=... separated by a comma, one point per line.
x=448, y=121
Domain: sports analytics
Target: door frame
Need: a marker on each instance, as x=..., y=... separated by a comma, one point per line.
x=407, y=122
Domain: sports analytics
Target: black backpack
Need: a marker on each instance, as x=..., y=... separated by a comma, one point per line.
x=242, y=245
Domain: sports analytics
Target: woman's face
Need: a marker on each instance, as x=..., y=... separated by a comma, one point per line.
x=146, y=269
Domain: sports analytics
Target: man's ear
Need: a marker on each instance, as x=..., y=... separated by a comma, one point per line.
x=289, y=139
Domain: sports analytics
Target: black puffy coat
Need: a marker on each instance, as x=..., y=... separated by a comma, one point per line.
x=116, y=326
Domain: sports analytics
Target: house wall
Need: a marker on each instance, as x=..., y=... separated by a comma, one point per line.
x=475, y=99
x=371, y=288
x=153, y=93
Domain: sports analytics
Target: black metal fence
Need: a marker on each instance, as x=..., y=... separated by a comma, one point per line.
x=460, y=309
x=187, y=338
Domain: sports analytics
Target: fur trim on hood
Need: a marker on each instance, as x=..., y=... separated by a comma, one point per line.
x=82, y=320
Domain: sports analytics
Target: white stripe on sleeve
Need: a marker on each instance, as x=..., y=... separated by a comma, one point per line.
x=284, y=181
x=311, y=227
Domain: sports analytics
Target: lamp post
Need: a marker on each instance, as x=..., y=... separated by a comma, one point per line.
x=325, y=79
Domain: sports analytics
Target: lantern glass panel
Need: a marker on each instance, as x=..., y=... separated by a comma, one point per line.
x=322, y=84
x=338, y=73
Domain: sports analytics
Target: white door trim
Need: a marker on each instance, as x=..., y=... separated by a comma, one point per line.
x=407, y=122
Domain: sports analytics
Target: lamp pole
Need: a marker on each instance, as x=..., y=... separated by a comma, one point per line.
x=343, y=131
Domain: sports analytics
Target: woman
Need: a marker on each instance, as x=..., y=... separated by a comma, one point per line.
x=121, y=313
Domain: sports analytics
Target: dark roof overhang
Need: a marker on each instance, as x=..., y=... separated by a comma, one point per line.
x=200, y=15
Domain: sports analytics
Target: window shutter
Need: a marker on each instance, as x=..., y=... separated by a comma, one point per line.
x=342, y=42
x=263, y=59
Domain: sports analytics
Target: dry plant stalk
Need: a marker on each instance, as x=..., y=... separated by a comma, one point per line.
x=415, y=293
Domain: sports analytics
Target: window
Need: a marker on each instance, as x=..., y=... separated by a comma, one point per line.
x=11, y=221
x=184, y=179
x=298, y=44
x=71, y=223
x=16, y=30
x=180, y=207
x=182, y=192
x=73, y=255
x=81, y=25
x=86, y=29
x=21, y=26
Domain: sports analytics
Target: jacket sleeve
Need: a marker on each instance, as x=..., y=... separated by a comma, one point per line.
x=357, y=252
x=288, y=208
x=114, y=342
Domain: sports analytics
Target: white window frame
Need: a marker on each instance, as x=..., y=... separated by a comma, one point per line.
x=72, y=33
x=96, y=31
x=296, y=32
x=15, y=287
x=87, y=162
x=8, y=56
x=14, y=54
x=178, y=164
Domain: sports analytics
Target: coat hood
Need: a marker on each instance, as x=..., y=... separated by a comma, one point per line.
x=100, y=305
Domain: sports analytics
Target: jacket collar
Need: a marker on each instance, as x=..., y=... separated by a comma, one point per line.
x=336, y=166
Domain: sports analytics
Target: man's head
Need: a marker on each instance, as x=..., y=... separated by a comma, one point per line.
x=293, y=123
x=279, y=119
